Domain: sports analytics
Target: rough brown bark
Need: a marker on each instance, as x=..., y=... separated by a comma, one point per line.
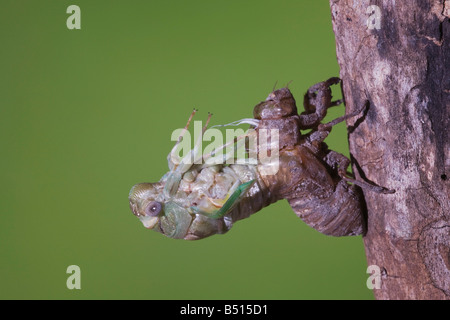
x=402, y=70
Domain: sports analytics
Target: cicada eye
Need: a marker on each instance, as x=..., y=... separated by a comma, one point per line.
x=153, y=209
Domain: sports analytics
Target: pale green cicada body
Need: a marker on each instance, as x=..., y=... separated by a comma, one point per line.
x=194, y=199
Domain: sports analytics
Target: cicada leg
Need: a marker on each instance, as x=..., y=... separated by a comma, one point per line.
x=344, y=117
x=316, y=102
x=175, y=174
x=238, y=142
x=341, y=163
x=173, y=159
x=323, y=130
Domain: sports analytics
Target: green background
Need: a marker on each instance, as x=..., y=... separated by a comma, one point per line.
x=85, y=114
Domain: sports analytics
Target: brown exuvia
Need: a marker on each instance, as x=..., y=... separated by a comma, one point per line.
x=196, y=200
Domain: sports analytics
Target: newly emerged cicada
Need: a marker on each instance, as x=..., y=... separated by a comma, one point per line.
x=197, y=199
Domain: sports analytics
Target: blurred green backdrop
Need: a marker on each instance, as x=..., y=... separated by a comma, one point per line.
x=86, y=114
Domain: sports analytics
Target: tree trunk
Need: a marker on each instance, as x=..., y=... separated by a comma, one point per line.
x=395, y=57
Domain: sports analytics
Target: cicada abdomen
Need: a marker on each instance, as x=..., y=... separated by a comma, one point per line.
x=339, y=214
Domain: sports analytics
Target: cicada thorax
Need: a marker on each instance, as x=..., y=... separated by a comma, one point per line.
x=279, y=112
x=315, y=192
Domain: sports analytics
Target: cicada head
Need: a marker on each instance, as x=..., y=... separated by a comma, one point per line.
x=164, y=216
x=279, y=104
x=144, y=205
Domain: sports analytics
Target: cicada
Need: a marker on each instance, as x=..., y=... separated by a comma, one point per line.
x=197, y=199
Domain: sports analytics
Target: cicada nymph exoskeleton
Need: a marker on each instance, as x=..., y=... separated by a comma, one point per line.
x=196, y=199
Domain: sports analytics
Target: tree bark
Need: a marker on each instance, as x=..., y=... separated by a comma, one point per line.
x=395, y=58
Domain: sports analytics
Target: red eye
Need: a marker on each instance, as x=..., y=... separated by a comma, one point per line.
x=153, y=209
